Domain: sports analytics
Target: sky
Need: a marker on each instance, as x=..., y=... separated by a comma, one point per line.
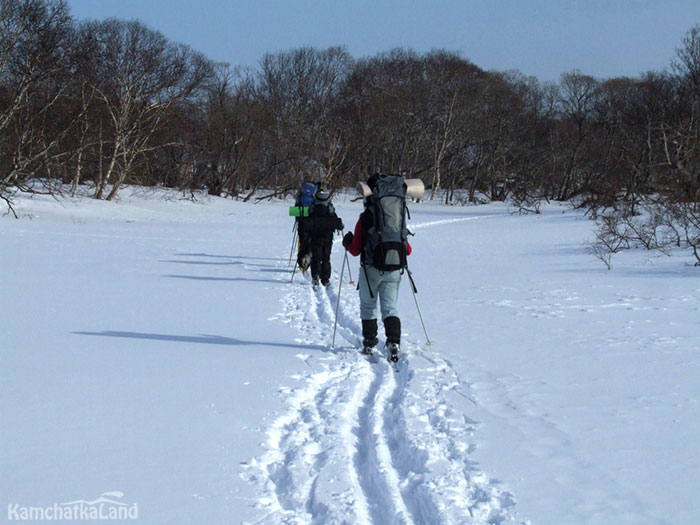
x=543, y=38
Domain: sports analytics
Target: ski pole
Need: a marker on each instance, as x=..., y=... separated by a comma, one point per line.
x=294, y=241
x=349, y=272
x=294, y=270
x=420, y=315
x=337, y=304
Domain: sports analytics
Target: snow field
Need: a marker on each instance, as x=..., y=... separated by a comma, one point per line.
x=363, y=429
x=156, y=348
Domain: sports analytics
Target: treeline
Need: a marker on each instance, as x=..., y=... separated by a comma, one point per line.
x=112, y=102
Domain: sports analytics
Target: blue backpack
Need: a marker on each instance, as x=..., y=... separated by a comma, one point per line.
x=306, y=195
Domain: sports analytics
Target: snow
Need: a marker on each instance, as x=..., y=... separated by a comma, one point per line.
x=155, y=349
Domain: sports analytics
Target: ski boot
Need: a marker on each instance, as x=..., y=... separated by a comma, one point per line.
x=304, y=263
x=392, y=328
x=314, y=283
x=369, y=336
x=393, y=352
x=369, y=346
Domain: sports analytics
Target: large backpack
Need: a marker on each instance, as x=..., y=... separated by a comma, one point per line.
x=322, y=218
x=385, y=237
x=322, y=205
x=306, y=195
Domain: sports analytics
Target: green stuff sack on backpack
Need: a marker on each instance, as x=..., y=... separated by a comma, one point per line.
x=298, y=211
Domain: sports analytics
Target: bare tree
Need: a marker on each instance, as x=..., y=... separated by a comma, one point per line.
x=228, y=130
x=450, y=102
x=139, y=77
x=577, y=101
x=299, y=91
x=389, y=103
x=33, y=80
x=687, y=62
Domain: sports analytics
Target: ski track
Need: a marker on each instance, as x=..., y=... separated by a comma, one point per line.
x=362, y=443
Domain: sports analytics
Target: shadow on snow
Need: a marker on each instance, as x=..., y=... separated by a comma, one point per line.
x=199, y=339
x=214, y=256
x=229, y=279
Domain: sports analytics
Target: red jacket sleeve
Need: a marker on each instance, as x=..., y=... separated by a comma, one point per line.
x=355, y=246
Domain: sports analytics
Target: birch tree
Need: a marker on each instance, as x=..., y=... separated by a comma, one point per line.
x=299, y=91
x=33, y=80
x=228, y=130
x=138, y=76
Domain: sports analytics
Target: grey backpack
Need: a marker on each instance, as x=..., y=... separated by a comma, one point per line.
x=322, y=205
x=386, y=234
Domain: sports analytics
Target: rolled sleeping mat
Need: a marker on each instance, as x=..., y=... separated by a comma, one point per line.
x=299, y=211
x=414, y=188
x=363, y=189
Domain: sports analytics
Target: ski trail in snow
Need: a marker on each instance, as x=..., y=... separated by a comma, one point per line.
x=460, y=492
x=307, y=474
x=362, y=443
x=372, y=463
x=421, y=225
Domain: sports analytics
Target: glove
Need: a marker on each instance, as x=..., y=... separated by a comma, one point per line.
x=347, y=240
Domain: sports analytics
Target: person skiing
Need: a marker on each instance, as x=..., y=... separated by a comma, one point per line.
x=304, y=200
x=377, y=279
x=320, y=225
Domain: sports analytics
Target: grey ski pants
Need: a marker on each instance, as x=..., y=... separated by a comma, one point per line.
x=385, y=287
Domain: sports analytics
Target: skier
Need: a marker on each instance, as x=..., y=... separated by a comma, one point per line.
x=379, y=280
x=304, y=200
x=320, y=226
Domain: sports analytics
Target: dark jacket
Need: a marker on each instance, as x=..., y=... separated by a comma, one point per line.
x=321, y=223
